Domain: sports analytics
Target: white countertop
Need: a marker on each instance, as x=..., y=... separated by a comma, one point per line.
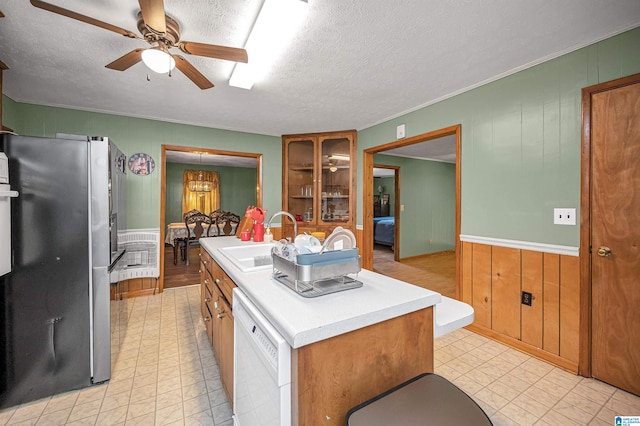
x=303, y=321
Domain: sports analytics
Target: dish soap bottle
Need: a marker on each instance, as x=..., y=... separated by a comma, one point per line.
x=268, y=237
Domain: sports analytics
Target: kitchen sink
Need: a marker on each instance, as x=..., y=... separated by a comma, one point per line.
x=249, y=258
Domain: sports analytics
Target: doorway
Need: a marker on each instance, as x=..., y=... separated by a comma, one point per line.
x=181, y=274
x=610, y=233
x=368, y=213
x=386, y=218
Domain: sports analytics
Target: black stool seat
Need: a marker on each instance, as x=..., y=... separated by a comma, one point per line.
x=427, y=399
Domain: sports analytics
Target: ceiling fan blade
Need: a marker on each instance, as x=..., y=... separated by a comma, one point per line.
x=126, y=61
x=153, y=15
x=73, y=15
x=192, y=73
x=213, y=51
x=1, y=14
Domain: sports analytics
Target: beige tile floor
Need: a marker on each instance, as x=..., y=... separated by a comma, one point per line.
x=164, y=373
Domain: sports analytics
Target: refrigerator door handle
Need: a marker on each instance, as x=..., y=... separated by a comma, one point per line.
x=9, y=194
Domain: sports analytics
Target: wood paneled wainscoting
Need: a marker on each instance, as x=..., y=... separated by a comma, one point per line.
x=493, y=279
x=133, y=288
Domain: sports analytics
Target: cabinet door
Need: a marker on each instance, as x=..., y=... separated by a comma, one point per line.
x=209, y=314
x=337, y=180
x=225, y=320
x=205, y=281
x=300, y=178
x=216, y=302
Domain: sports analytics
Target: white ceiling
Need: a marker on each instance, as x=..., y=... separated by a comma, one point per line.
x=352, y=64
x=210, y=159
x=441, y=149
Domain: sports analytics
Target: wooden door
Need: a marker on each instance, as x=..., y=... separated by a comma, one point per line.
x=615, y=236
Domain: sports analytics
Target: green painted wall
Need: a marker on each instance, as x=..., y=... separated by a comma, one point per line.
x=8, y=111
x=237, y=189
x=521, y=141
x=133, y=135
x=428, y=193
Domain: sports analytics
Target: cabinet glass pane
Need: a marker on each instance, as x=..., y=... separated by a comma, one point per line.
x=300, y=187
x=335, y=180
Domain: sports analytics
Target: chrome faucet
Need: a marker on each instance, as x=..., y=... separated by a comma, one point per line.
x=289, y=215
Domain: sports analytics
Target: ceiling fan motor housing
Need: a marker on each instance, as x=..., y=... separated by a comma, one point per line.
x=170, y=38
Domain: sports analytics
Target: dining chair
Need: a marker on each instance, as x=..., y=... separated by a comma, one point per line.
x=214, y=215
x=227, y=223
x=179, y=243
x=200, y=222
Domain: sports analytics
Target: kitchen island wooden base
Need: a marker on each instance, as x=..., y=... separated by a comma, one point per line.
x=334, y=375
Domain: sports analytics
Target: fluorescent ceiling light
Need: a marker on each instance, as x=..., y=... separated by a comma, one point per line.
x=158, y=59
x=339, y=157
x=277, y=21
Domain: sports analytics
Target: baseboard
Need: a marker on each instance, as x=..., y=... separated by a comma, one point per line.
x=135, y=293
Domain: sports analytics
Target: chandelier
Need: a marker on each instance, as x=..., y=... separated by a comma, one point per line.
x=200, y=185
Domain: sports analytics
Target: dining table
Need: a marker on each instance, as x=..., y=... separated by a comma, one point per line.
x=177, y=231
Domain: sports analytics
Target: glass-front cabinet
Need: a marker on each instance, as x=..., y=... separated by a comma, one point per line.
x=319, y=180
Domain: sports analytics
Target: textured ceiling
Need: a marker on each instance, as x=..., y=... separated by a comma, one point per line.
x=194, y=158
x=351, y=65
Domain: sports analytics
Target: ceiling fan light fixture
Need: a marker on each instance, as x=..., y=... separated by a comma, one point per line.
x=158, y=59
x=275, y=26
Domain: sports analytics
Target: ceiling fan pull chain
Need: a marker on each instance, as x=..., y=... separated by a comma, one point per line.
x=148, y=78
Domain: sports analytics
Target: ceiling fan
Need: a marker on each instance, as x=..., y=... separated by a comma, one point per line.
x=162, y=33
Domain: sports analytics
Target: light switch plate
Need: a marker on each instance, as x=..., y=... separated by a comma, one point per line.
x=564, y=216
x=401, y=131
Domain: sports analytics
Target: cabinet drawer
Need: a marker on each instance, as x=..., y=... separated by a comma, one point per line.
x=208, y=280
x=223, y=281
x=208, y=300
x=204, y=257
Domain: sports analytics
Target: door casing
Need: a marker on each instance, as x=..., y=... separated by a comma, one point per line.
x=367, y=189
x=584, y=362
x=163, y=188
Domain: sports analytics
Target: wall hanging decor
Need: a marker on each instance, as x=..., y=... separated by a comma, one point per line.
x=141, y=164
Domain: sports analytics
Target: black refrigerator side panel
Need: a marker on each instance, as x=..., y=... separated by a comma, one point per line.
x=44, y=300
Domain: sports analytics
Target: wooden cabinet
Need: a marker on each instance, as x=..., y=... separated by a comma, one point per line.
x=333, y=375
x=319, y=180
x=217, y=294
x=2, y=68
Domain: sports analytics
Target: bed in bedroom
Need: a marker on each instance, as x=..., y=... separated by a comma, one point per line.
x=383, y=230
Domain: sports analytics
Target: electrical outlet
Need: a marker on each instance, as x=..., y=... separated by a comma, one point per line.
x=527, y=298
x=564, y=216
x=430, y=242
x=401, y=207
x=401, y=131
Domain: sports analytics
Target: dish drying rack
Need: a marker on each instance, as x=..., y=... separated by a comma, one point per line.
x=316, y=274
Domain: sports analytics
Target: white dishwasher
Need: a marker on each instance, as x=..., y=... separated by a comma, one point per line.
x=262, y=368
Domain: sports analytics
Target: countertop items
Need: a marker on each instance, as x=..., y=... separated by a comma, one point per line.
x=303, y=321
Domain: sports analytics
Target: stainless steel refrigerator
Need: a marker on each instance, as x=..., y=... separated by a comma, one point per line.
x=55, y=301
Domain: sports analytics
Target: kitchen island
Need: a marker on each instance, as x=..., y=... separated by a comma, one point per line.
x=346, y=347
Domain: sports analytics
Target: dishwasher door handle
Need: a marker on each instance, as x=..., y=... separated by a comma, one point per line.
x=9, y=194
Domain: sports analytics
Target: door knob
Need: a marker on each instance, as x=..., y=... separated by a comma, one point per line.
x=604, y=251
